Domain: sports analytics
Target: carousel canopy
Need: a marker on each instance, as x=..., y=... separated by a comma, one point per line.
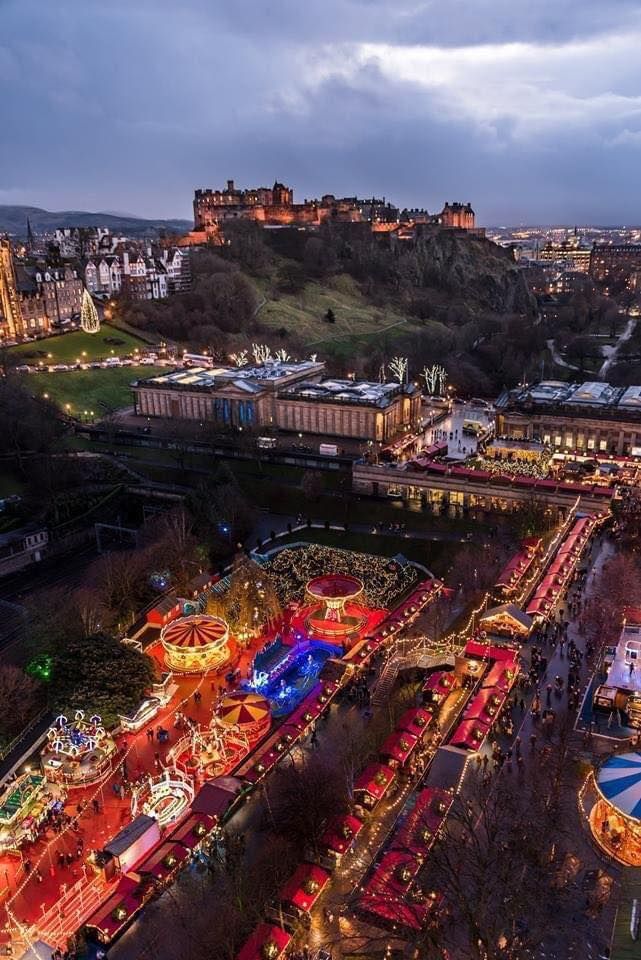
x=619, y=781
x=243, y=708
x=194, y=633
x=335, y=586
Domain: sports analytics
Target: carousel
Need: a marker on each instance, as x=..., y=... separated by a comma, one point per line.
x=247, y=714
x=196, y=644
x=165, y=798
x=208, y=752
x=615, y=818
x=77, y=752
x=334, y=613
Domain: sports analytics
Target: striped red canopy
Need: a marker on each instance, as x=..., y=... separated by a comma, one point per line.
x=195, y=632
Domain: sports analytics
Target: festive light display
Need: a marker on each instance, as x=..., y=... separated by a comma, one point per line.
x=615, y=818
x=89, y=319
x=196, y=644
x=164, y=798
x=248, y=713
x=77, y=752
x=24, y=803
x=212, y=751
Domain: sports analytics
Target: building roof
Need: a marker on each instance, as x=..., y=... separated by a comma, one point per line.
x=365, y=392
x=572, y=398
x=249, y=379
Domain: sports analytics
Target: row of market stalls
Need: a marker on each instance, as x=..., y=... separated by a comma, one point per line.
x=495, y=668
x=519, y=570
x=560, y=571
x=392, y=895
x=301, y=893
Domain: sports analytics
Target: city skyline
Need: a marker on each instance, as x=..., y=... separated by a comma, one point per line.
x=533, y=118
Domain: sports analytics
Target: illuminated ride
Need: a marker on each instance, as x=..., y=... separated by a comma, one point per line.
x=24, y=804
x=615, y=818
x=165, y=798
x=334, y=614
x=77, y=752
x=196, y=644
x=209, y=752
x=248, y=713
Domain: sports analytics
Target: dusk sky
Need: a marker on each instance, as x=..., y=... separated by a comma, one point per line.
x=530, y=109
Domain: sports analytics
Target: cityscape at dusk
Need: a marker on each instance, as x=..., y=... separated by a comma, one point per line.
x=320, y=480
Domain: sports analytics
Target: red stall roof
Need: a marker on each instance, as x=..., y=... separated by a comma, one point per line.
x=375, y=780
x=305, y=887
x=419, y=830
x=470, y=734
x=488, y=651
x=116, y=911
x=416, y=721
x=341, y=833
x=442, y=682
x=192, y=830
x=399, y=745
x=485, y=705
x=501, y=676
x=265, y=933
x=164, y=861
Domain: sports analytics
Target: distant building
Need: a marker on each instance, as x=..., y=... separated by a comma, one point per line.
x=21, y=547
x=459, y=215
x=586, y=418
x=292, y=397
x=570, y=254
x=11, y=322
x=275, y=206
x=613, y=261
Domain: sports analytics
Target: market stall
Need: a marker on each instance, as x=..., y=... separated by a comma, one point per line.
x=24, y=804
x=267, y=942
x=416, y=720
x=302, y=891
x=372, y=785
x=341, y=835
x=438, y=686
x=397, y=749
x=470, y=734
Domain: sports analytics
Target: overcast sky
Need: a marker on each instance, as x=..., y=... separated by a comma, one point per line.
x=530, y=109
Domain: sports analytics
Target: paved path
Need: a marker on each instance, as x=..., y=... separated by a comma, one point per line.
x=614, y=352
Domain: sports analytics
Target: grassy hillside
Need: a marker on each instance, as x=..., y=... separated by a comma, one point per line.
x=357, y=321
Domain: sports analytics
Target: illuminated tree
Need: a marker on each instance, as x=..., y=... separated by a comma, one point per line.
x=89, y=319
x=251, y=602
x=261, y=352
x=398, y=366
x=282, y=355
x=239, y=359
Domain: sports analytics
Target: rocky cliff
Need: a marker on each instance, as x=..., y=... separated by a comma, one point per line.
x=473, y=269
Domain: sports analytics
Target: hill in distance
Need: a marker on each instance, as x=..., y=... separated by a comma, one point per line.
x=13, y=220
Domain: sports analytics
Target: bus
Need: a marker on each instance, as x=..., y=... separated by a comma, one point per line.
x=197, y=360
x=266, y=443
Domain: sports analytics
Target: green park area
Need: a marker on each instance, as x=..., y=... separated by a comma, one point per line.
x=78, y=346
x=100, y=391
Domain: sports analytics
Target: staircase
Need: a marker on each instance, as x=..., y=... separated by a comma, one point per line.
x=412, y=654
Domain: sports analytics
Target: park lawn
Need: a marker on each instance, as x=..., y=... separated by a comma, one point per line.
x=10, y=484
x=69, y=347
x=85, y=390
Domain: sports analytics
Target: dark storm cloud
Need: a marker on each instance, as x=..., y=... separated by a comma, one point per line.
x=530, y=110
